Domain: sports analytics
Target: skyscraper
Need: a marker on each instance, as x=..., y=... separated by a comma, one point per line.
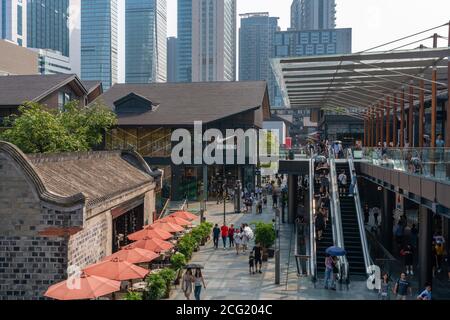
x=184, y=44
x=172, y=59
x=47, y=25
x=256, y=37
x=99, y=44
x=146, y=41
x=13, y=21
x=207, y=40
x=313, y=14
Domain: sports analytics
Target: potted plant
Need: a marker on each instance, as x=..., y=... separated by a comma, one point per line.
x=169, y=276
x=265, y=234
x=156, y=287
x=178, y=261
x=133, y=295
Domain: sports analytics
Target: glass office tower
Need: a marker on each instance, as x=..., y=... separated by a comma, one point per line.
x=13, y=21
x=256, y=38
x=146, y=41
x=184, y=44
x=47, y=25
x=99, y=43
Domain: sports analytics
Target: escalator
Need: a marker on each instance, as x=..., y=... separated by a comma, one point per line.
x=327, y=238
x=350, y=227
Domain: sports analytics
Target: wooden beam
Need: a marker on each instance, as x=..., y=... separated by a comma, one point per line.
x=394, y=122
x=421, y=114
x=388, y=121
x=434, y=99
x=411, y=115
x=402, y=119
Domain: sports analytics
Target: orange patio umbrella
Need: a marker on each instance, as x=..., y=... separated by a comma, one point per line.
x=82, y=288
x=177, y=220
x=116, y=269
x=150, y=232
x=184, y=215
x=153, y=244
x=133, y=254
x=167, y=226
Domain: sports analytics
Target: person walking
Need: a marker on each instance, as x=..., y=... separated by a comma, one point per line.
x=251, y=263
x=385, y=289
x=257, y=250
x=216, y=234
x=425, y=294
x=402, y=287
x=224, y=232
x=198, y=281
x=408, y=255
x=320, y=225
x=186, y=284
x=329, y=265
x=237, y=240
x=231, y=235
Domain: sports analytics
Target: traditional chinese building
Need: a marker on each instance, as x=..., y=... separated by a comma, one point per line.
x=62, y=212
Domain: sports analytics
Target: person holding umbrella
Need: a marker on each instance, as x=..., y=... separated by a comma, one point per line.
x=329, y=266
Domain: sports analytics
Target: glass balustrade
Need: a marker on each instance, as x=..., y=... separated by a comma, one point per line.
x=429, y=162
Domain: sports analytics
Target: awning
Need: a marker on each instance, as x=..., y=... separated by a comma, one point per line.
x=352, y=83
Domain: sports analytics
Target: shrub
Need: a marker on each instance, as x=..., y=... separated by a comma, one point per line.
x=156, y=287
x=197, y=234
x=185, y=247
x=133, y=295
x=178, y=260
x=265, y=234
x=169, y=276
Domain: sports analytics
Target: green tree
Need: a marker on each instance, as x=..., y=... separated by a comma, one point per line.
x=41, y=130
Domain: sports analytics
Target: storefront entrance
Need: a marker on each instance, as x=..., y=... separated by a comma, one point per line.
x=125, y=224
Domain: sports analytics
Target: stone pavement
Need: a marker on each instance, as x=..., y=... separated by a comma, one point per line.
x=227, y=276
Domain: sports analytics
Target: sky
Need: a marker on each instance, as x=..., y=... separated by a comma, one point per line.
x=374, y=22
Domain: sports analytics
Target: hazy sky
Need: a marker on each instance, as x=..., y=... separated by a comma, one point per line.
x=373, y=21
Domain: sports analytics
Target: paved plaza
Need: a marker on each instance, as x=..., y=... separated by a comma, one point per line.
x=227, y=276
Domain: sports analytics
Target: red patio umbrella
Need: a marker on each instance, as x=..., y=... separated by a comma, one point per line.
x=150, y=232
x=153, y=244
x=167, y=226
x=82, y=288
x=176, y=220
x=116, y=269
x=184, y=215
x=133, y=254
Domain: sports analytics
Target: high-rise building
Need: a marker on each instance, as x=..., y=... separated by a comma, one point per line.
x=52, y=62
x=145, y=41
x=99, y=42
x=184, y=42
x=256, y=38
x=207, y=40
x=48, y=25
x=13, y=21
x=313, y=14
x=294, y=43
x=172, y=43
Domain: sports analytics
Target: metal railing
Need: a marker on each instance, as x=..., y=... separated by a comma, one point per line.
x=427, y=162
x=312, y=224
x=359, y=212
x=338, y=234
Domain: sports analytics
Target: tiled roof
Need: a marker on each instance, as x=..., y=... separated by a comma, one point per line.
x=184, y=103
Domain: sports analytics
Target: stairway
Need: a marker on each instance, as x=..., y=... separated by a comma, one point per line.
x=327, y=240
x=352, y=237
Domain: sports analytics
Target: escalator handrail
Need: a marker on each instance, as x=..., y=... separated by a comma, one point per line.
x=338, y=234
x=312, y=224
x=359, y=212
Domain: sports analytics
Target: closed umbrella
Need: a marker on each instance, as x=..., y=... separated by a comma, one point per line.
x=82, y=288
x=176, y=220
x=116, y=269
x=153, y=244
x=184, y=215
x=150, y=232
x=336, y=251
x=168, y=226
x=133, y=254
